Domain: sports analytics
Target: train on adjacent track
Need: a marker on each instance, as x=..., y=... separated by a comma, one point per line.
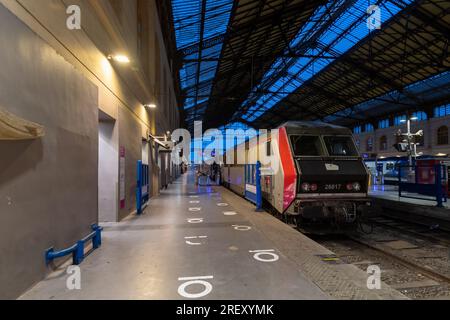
x=388, y=167
x=320, y=183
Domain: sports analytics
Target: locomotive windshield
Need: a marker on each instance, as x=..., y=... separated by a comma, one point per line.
x=307, y=146
x=322, y=146
x=340, y=146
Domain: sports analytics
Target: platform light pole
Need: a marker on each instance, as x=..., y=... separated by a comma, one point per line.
x=412, y=145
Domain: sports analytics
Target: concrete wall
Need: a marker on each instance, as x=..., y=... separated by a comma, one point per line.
x=154, y=171
x=130, y=138
x=48, y=187
x=145, y=152
x=61, y=78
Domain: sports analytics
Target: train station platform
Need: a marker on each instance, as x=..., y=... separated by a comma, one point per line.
x=422, y=211
x=390, y=192
x=208, y=243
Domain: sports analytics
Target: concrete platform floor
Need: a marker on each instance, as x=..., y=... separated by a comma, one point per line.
x=390, y=192
x=205, y=243
x=151, y=256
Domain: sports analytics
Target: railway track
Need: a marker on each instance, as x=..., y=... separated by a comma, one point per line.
x=416, y=219
x=431, y=233
x=414, y=258
x=432, y=274
x=415, y=280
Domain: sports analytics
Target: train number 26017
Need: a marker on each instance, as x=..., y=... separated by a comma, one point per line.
x=333, y=187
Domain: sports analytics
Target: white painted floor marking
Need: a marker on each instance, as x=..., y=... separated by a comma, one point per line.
x=193, y=238
x=196, y=220
x=195, y=281
x=258, y=255
x=222, y=204
x=195, y=209
x=242, y=228
x=230, y=213
x=194, y=202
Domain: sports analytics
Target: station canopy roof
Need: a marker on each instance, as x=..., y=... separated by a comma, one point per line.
x=260, y=63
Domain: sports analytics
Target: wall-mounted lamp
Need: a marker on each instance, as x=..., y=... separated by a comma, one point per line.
x=150, y=105
x=120, y=58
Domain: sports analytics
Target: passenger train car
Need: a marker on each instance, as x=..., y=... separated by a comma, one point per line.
x=321, y=183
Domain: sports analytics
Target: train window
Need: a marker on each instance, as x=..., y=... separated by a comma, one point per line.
x=269, y=148
x=340, y=146
x=307, y=146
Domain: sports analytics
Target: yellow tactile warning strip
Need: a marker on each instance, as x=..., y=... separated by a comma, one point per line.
x=340, y=281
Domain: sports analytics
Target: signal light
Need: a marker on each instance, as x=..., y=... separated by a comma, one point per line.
x=356, y=186
x=401, y=147
x=307, y=187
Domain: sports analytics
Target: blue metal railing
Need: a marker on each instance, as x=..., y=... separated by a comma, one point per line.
x=143, y=187
x=77, y=250
x=258, y=187
x=435, y=189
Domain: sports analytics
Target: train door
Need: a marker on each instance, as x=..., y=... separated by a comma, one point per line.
x=250, y=182
x=108, y=169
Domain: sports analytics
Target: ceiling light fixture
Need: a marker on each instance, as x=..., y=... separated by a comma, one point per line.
x=120, y=58
x=150, y=105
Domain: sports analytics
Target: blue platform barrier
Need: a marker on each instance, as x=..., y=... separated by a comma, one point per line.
x=258, y=187
x=77, y=250
x=435, y=189
x=143, y=187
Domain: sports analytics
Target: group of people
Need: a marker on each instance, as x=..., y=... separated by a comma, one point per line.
x=211, y=171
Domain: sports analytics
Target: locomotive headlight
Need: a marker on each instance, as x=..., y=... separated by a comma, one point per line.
x=357, y=186
x=306, y=187
x=314, y=187
x=349, y=186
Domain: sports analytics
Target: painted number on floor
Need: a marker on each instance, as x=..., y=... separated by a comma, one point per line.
x=242, y=228
x=196, y=220
x=195, y=281
x=222, y=204
x=265, y=255
x=190, y=240
x=195, y=209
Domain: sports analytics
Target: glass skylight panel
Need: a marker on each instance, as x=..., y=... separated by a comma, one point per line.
x=186, y=15
x=344, y=33
x=187, y=23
